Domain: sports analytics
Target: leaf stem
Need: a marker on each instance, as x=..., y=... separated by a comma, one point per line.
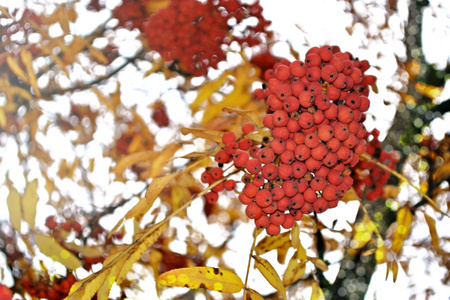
x=255, y=234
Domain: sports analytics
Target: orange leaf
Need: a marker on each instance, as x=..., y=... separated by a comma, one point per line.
x=270, y=274
x=214, y=279
x=318, y=263
x=162, y=158
x=207, y=89
x=433, y=232
x=132, y=159
x=394, y=268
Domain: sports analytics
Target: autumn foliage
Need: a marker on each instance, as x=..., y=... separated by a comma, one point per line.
x=173, y=144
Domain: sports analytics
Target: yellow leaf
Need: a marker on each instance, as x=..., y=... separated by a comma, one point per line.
x=429, y=91
x=5, y=12
x=15, y=90
x=381, y=251
x=132, y=159
x=404, y=220
x=85, y=251
x=162, y=158
x=214, y=279
x=14, y=207
x=103, y=291
x=317, y=293
x=295, y=236
x=207, y=89
x=391, y=191
x=153, y=190
x=252, y=115
x=55, y=58
x=273, y=242
x=85, y=289
x=318, y=263
x=442, y=173
x=29, y=202
x=55, y=251
x=213, y=135
x=394, y=268
x=270, y=274
x=27, y=60
x=294, y=271
x=350, y=195
x=253, y=295
x=16, y=69
x=96, y=54
x=433, y=232
x=139, y=247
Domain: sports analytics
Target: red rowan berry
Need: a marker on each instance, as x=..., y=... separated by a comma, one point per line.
x=302, y=185
x=351, y=141
x=323, y=171
x=348, y=181
x=322, y=102
x=245, y=144
x=297, y=87
x=285, y=171
x=306, y=99
x=258, y=94
x=248, y=127
x=330, y=192
x=277, y=193
x=353, y=127
x=268, y=121
x=319, y=152
x=331, y=112
x=290, y=145
x=288, y=222
x=228, y=137
x=297, y=201
x=325, y=53
x=222, y=157
x=254, y=151
x=272, y=84
x=211, y=197
x=263, y=198
x=341, y=131
x=360, y=148
x=268, y=74
x=273, y=229
x=302, y=152
x=253, y=166
x=290, y=187
x=348, y=67
x=250, y=190
x=315, y=88
x=356, y=76
x=262, y=222
x=270, y=171
x=307, y=208
x=340, y=82
x=296, y=213
x=230, y=148
x=313, y=164
x=280, y=118
x=314, y=50
x=342, y=188
x=330, y=160
x=273, y=103
x=271, y=208
x=333, y=92
x=350, y=83
x=345, y=114
x=333, y=144
x=313, y=74
x=278, y=146
x=299, y=138
x=357, y=115
x=313, y=60
x=281, y=133
x=284, y=204
x=282, y=72
x=309, y=195
x=253, y=211
x=229, y=185
x=319, y=118
x=333, y=204
x=291, y=104
x=240, y=159
x=266, y=155
x=353, y=100
x=278, y=217
x=329, y=73
x=361, y=132
x=365, y=103
x=337, y=63
x=312, y=140
x=320, y=205
x=216, y=173
x=258, y=180
x=318, y=183
x=283, y=91
x=335, y=177
x=218, y=188
x=343, y=153
x=297, y=68
x=287, y=157
x=51, y=223
x=325, y=133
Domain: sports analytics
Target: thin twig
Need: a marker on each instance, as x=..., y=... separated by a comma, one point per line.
x=249, y=261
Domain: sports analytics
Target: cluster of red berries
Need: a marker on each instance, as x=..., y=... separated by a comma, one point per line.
x=67, y=225
x=131, y=13
x=194, y=35
x=367, y=175
x=43, y=288
x=315, y=110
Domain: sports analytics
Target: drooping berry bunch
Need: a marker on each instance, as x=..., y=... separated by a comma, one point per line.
x=131, y=13
x=56, y=288
x=315, y=110
x=367, y=175
x=194, y=35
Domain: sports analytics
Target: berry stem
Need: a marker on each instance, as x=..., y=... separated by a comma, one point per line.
x=401, y=177
x=256, y=232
